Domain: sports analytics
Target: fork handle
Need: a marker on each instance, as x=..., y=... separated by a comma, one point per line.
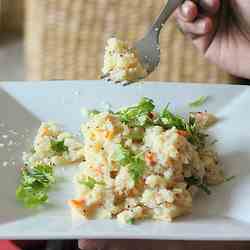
x=167, y=11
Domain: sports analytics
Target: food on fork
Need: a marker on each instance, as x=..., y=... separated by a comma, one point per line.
x=121, y=64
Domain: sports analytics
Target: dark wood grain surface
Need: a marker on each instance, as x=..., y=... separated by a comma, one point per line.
x=162, y=245
x=134, y=245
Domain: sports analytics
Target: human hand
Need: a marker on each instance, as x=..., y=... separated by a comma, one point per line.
x=220, y=29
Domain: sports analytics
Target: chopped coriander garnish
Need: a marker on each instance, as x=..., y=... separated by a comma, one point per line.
x=131, y=221
x=58, y=146
x=205, y=188
x=32, y=151
x=199, y=102
x=136, y=134
x=93, y=112
x=136, y=168
x=91, y=182
x=196, y=137
x=35, y=184
x=196, y=181
x=138, y=116
x=122, y=155
x=230, y=178
x=213, y=142
x=135, y=164
x=169, y=120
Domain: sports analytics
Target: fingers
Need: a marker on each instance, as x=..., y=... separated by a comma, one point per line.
x=190, y=19
x=200, y=27
x=198, y=20
x=210, y=7
x=187, y=12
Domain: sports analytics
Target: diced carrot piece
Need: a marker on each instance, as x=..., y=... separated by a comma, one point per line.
x=98, y=170
x=45, y=131
x=108, y=135
x=151, y=115
x=98, y=147
x=150, y=158
x=77, y=203
x=183, y=133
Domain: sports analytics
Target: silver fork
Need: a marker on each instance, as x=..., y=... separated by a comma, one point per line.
x=148, y=48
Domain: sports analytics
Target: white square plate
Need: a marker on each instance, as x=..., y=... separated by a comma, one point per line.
x=225, y=215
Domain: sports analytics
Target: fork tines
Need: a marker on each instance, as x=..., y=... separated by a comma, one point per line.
x=104, y=76
x=107, y=78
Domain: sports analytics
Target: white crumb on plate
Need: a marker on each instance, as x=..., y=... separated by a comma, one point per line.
x=5, y=136
x=12, y=131
x=5, y=164
x=1, y=145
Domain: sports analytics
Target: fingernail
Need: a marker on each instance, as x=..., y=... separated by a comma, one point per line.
x=188, y=8
x=185, y=8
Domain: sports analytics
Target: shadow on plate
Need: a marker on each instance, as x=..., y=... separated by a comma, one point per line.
x=17, y=129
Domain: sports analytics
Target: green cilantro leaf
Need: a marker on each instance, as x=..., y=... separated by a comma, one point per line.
x=214, y=142
x=126, y=158
x=31, y=198
x=136, y=168
x=131, y=221
x=169, y=120
x=199, y=102
x=93, y=112
x=91, y=182
x=138, y=116
x=32, y=151
x=35, y=184
x=196, y=137
x=230, y=178
x=196, y=181
x=58, y=146
x=122, y=155
x=136, y=134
